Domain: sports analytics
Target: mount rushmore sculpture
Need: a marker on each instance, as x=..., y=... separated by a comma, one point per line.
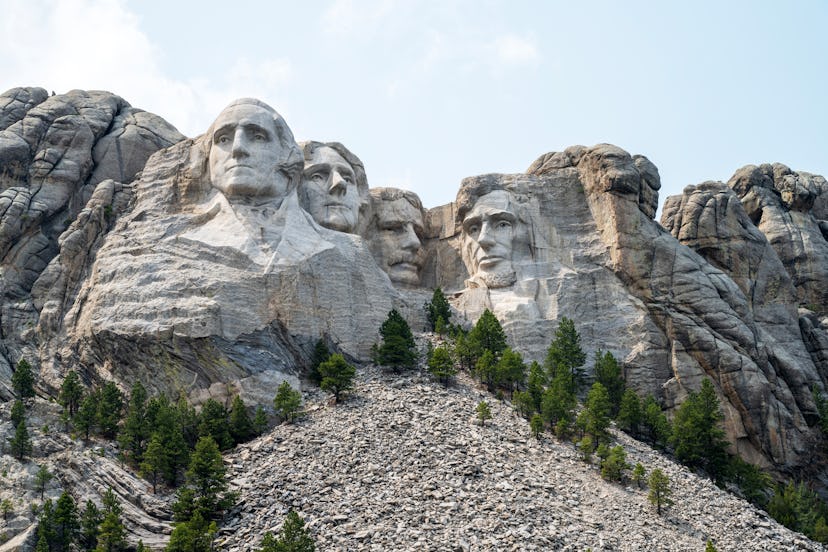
x=211, y=265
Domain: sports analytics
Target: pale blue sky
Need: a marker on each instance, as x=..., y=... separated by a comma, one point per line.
x=428, y=92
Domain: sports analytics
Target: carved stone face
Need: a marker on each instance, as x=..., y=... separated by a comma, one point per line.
x=488, y=234
x=329, y=191
x=245, y=153
x=396, y=242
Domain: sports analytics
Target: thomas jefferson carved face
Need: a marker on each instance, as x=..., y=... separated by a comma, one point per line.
x=329, y=190
x=396, y=242
x=246, y=153
x=488, y=234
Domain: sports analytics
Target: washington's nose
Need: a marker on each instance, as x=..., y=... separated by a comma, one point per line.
x=240, y=145
x=338, y=185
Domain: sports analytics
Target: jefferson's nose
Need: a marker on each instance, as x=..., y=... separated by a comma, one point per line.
x=338, y=184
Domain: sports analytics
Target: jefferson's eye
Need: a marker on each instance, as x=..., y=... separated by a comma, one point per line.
x=348, y=178
x=318, y=177
x=259, y=137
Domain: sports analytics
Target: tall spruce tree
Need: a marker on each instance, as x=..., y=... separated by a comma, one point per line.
x=18, y=413
x=594, y=419
x=441, y=364
x=511, y=371
x=436, y=309
x=241, y=427
x=697, y=436
x=66, y=523
x=42, y=478
x=85, y=417
x=23, y=380
x=135, y=433
x=397, y=350
x=71, y=393
x=608, y=374
x=20, y=445
x=660, y=490
x=169, y=434
x=565, y=354
x=213, y=423
x=321, y=353
x=629, y=413
x=486, y=335
x=287, y=402
x=110, y=407
x=111, y=532
x=90, y=521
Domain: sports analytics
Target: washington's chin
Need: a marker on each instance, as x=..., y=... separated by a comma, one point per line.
x=404, y=273
x=247, y=188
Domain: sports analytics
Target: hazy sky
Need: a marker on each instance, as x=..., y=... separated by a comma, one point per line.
x=428, y=92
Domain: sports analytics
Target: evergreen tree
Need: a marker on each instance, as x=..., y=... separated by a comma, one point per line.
x=487, y=335
x=536, y=425
x=483, y=412
x=154, y=460
x=337, y=375
x=241, y=428
x=42, y=478
x=206, y=478
x=608, y=374
x=321, y=353
x=110, y=405
x=213, y=423
x=441, y=364
x=293, y=537
x=20, y=445
x=587, y=447
x=66, y=524
x=654, y=424
x=565, y=354
x=629, y=413
x=23, y=380
x=18, y=413
x=397, y=349
x=486, y=369
x=194, y=535
x=709, y=547
x=287, y=402
x=536, y=384
x=71, y=393
x=89, y=523
x=46, y=527
x=755, y=484
x=614, y=466
x=6, y=508
x=171, y=454
x=260, y=421
x=436, y=309
x=84, y=419
x=660, y=490
x=639, y=474
x=111, y=532
x=594, y=419
x=697, y=436
x=523, y=403
x=464, y=351
x=511, y=371
x=136, y=431
x=558, y=403
x=188, y=420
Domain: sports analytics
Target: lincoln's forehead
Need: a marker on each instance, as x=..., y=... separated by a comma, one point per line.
x=493, y=203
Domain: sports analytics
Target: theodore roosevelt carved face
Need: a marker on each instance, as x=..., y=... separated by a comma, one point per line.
x=252, y=152
x=394, y=234
x=488, y=232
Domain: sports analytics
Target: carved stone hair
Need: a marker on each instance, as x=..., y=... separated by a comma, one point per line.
x=394, y=194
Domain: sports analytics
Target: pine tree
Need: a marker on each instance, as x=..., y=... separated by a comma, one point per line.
x=87, y=413
x=321, y=353
x=639, y=474
x=293, y=537
x=536, y=426
x=260, y=421
x=587, y=447
x=441, y=364
x=511, y=371
x=42, y=478
x=20, y=445
x=71, y=393
x=89, y=523
x=213, y=423
x=111, y=533
x=654, y=424
x=187, y=419
x=483, y=412
x=629, y=413
x=241, y=428
x=194, y=535
x=23, y=380
x=565, y=354
x=46, y=527
x=66, y=524
x=487, y=335
x=6, y=508
x=436, y=309
x=337, y=375
x=464, y=351
x=110, y=405
x=614, y=466
x=523, y=403
x=170, y=434
x=287, y=402
x=709, y=547
x=594, y=419
x=18, y=413
x=486, y=369
x=697, y=436
x=536, y=384
x=154, y=460
x=608, y=374
x=206, y=478
x=660, y=490
x=397, y=349
x=559, y=401
x=136, y=431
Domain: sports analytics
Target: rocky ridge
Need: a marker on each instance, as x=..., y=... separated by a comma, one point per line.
x=403, y=464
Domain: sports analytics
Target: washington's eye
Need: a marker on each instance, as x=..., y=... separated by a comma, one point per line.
x=504, y=224
x=260, y=137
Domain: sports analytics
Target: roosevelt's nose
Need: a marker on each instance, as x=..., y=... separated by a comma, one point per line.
x=410, y=241
x=338, y=184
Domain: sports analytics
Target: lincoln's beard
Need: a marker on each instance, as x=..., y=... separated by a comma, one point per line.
x=499, y=279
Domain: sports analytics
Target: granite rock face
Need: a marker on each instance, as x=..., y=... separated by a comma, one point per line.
x=212, y=265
